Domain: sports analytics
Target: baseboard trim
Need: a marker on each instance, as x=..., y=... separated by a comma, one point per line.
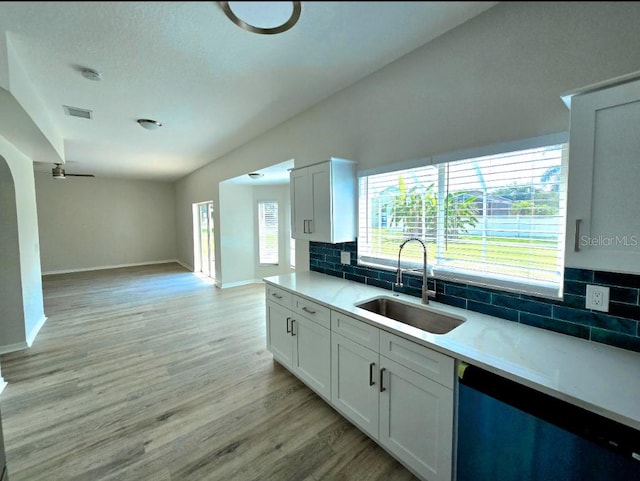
x=185, y=265
x=34, y=332
x=240, y=283
x=19, y=346
x=115, y=266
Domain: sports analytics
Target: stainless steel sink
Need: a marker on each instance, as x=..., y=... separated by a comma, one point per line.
x=412, y=315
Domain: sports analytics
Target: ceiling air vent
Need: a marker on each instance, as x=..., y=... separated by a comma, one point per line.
x=76, y=112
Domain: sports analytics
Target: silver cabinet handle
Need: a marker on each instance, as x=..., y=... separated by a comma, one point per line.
x=292, y=332
x=276, y=296
x=310, y=224
x=576, y=240
x=288, y=328
x=306, y=309
x=382, y=388
x=371, y=368
x=305, y=228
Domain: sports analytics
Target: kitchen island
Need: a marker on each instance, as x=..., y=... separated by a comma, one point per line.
x=600, y=378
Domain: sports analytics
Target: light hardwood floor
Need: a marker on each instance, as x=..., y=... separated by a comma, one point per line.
x=151, y=373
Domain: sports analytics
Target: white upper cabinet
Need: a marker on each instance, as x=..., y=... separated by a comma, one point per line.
x=324, y=201
x=603, y=223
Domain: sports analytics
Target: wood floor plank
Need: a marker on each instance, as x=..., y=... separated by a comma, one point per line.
x=151, y=373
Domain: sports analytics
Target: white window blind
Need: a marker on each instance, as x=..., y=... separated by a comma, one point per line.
x=268, y=240
x=496, y=221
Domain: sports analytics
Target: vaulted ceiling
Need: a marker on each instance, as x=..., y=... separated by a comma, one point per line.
x=212, y=85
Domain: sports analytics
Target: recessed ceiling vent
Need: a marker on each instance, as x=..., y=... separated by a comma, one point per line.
x=76, y=112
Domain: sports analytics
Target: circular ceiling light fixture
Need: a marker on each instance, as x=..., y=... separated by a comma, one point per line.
x=266, y=18
x=91, y=74
x=255, y=175
x=150, y=124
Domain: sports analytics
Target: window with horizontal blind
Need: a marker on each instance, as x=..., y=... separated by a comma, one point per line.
x=268, y=239
x=497, y=220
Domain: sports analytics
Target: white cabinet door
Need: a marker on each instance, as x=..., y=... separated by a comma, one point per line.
x=301, y=345
x=319, y=226
x=604, y=176
x=301, y=204
x=312, y=355
x=354, y=383
x=324, y=201
x=279, y=339
x=416, y=420
x=311, y=202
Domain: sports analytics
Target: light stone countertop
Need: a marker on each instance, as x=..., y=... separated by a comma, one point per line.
x=598, y=377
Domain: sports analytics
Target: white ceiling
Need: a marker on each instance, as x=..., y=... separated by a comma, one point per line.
x=213, y=85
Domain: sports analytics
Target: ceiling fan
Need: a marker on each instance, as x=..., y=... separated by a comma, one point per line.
x=59, y=173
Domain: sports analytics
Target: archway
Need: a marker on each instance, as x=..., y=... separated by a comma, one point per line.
x=12, y=321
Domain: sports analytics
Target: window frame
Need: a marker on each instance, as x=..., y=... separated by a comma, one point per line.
x=552, y=290
x=259, y=203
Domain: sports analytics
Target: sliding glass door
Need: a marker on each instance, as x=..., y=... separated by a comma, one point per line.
x=206, y=251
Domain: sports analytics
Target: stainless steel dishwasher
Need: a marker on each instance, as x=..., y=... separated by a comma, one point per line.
x=509, y=432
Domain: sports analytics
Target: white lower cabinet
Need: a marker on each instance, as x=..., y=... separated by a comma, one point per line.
x=279, y=339
x=354, y=386
x=398, y=392
x=301, y=345
x=408, y=413
x=312, y=355
x=416, y=420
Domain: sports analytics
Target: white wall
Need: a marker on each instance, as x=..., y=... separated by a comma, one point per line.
x=21, y=300
x=496, y=78
x=236, y=263
x=280, y=194
x=237, y=260
x=91, y=223
x=12, y=324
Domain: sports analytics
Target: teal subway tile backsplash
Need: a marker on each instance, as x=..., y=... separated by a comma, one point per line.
x=624, y=341
x=619, y=327
x=562, y=327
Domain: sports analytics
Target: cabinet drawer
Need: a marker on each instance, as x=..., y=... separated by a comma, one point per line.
x=278, y=295
x=356, y=330
x=312, y=310
x=429, y=363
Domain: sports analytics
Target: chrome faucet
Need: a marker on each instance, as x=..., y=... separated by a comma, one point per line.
x=425, y=291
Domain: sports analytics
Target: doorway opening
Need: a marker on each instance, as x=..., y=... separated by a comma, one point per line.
x=204, y=247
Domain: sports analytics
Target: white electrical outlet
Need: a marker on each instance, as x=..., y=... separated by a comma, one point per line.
x=597, y=298
x=345, y=257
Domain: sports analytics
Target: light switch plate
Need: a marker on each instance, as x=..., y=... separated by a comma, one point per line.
x=597, y=298
x=345, y=257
